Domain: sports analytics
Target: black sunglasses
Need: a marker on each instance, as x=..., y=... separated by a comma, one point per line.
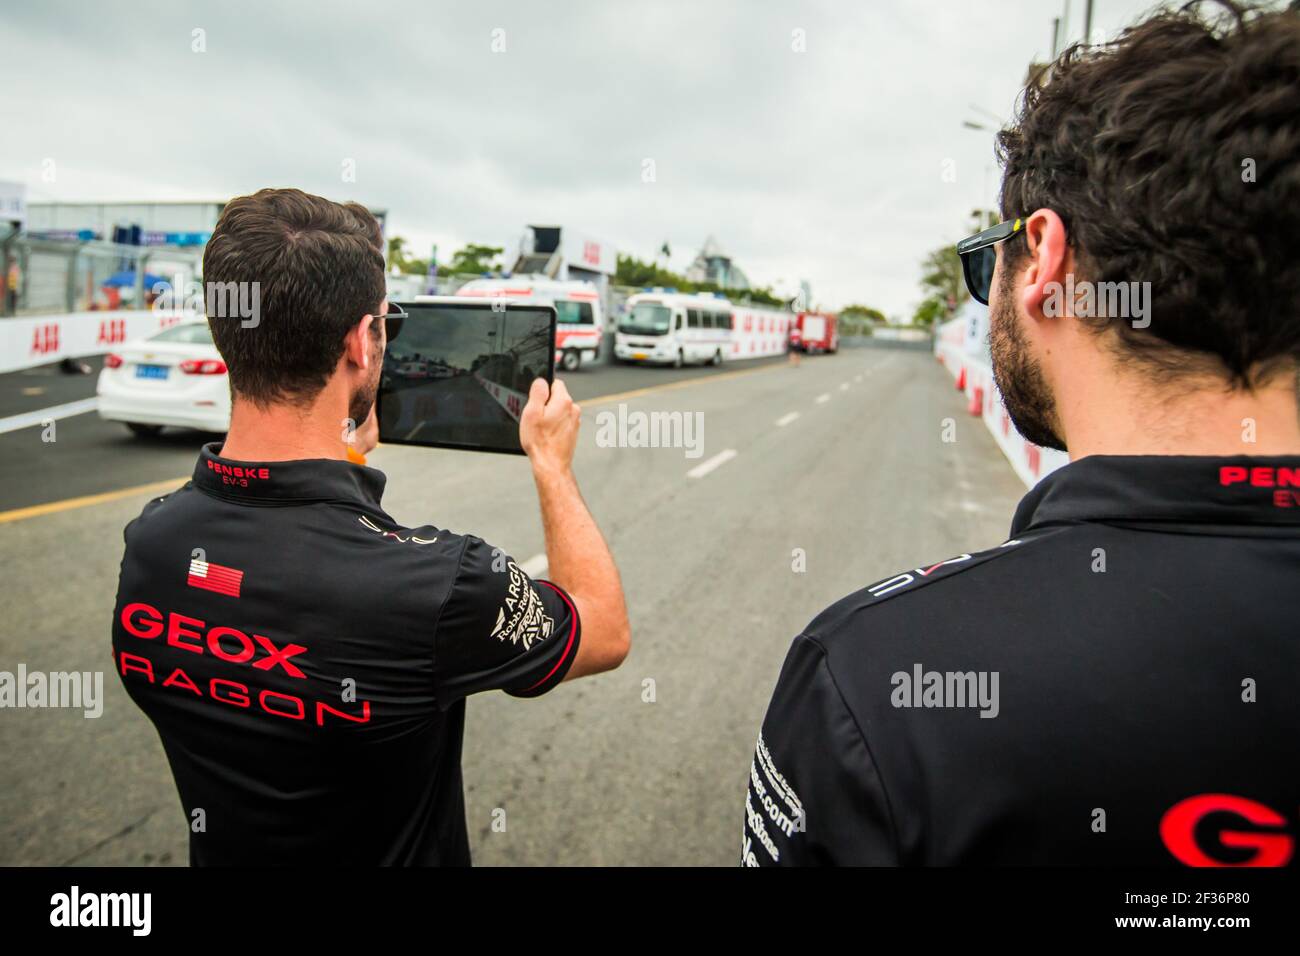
x=393, y=320
x=978, y=257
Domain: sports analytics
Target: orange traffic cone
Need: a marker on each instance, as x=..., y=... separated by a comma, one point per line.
x=961, y=380
x=976, y=406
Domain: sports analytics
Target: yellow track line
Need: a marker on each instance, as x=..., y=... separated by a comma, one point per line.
x=669, y=386
x=171, y=484
x=68, y=504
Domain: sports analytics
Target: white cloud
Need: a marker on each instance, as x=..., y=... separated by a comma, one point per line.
x=823, y=165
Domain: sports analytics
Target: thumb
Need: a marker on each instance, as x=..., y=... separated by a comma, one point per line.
x=538, y=392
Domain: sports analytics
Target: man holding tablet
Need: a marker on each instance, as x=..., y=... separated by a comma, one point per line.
x=304, y=658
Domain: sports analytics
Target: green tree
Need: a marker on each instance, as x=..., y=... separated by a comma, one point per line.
x=634, y=272
x=400, y=260
x=930, y=312
x=864, y=312
x=941, y=278
x=631, y=271
x=475, y=258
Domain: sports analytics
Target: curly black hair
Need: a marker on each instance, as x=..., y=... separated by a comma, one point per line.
x=1172, y=155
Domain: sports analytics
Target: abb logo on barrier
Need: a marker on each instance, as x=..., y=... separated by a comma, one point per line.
x=111, y=332
x=1185, y=835
x=45, y=339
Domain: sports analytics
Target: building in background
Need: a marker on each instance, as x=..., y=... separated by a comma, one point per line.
x=713, y=265
x=13, y=216
x=560, y=253
x=179, y=224
x=176, y=223
x=91, y=256
x=566, y=254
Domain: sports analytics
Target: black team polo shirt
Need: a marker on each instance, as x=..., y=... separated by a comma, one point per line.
x=305, y=660
x=1117, y=684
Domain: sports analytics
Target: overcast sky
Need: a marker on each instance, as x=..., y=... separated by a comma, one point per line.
x=825, y=164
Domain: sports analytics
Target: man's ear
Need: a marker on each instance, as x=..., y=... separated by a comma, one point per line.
x=356, y=346
x=1050, y=260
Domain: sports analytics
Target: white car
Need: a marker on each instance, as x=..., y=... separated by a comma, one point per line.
x=175, y=377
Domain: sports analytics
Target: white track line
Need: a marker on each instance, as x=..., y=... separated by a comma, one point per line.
x=786, y=419
x=721, y=458
x=844, y=386
x=53, y=413
x=536, y=566
x=823, y=397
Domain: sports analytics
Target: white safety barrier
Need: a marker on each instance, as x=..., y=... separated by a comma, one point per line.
x=961, y=345
x=37, y=339
x=757, y=332
x=513, y=402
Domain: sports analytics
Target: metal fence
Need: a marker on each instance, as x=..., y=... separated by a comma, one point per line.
x=44, y=276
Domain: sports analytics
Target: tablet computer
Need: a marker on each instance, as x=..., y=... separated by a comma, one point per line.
x=457, y=372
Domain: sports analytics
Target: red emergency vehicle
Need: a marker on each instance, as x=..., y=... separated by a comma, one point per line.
x=815, y=332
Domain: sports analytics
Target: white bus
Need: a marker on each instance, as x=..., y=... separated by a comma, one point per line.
x=673, y=328
x=577, y=308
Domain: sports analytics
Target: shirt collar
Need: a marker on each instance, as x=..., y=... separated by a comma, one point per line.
x=1239, y=490
x=303, y=480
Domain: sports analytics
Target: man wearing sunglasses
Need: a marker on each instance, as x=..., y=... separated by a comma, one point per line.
x=305, y=657
x=1118, y=683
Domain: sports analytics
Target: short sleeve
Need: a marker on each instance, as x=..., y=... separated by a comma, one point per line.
x=814, y=796
x=501, y=630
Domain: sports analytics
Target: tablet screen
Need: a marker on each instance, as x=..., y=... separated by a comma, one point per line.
x=456, y=375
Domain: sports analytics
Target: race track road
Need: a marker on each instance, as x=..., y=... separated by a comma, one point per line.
x=842, y=459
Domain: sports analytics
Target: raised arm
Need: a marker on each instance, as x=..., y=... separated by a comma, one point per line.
x=579, y=560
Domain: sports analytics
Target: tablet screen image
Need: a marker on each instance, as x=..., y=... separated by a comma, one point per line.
x=457, y=374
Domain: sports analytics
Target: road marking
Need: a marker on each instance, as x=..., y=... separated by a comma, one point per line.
x=68, y=504
x=668, y=386
x=26, y=420
x=858, y=377
x=89, y=404
x=721, y=458
x=844, y=386
x=786, y=419
x=535, y=566
x=823, y=397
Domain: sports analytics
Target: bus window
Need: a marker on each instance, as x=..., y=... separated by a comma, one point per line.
x=573, y=313
x=679, y=321
x=706, y=320
x=647, y=318
x=692, y=318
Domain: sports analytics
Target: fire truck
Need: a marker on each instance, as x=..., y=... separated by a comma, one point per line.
x=816, y=332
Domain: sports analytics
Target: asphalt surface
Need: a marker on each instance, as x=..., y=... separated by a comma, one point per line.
x=90, y=456
x=646, y=765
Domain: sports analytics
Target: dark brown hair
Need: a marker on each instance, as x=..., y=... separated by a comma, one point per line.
x=1173, y=157
x=319, y=266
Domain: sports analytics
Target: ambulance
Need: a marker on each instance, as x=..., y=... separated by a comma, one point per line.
x=577, y=307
